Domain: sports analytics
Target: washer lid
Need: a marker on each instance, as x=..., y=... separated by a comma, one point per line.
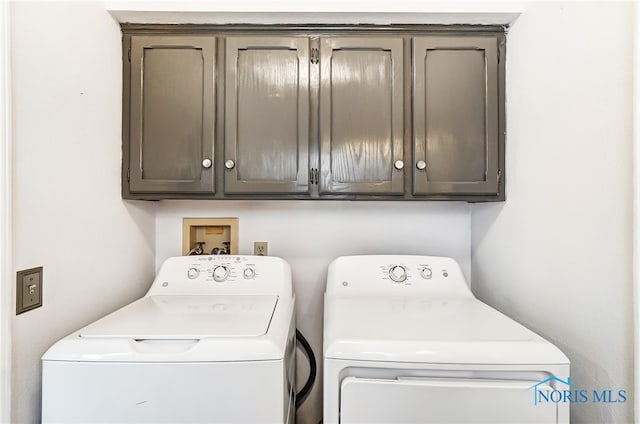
x=187, y=317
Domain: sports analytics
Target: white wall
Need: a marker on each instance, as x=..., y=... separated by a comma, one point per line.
x=310, y=234
x=636, y=204
x=6, y=267
x=97, y=250
x=557, y=254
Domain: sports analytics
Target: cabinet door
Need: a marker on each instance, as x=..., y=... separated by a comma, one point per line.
x=267, y=115
x=361, y=115
x=455, y=115
x=171, y=133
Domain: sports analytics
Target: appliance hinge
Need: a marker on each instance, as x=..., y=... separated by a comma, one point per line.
x=128, y=175
x=315, y=56
x=313, y=176
x=499, y=176
x=129, y=54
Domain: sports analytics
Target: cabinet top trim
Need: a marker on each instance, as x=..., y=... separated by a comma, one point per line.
x=219, y=12
x=409, y=29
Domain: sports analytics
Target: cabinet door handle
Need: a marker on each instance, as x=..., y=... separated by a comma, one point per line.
x=206, y=163
x=229, y=164
x=421, y=165
x=398, y=164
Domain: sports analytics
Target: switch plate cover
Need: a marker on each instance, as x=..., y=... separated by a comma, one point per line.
x=28, y=289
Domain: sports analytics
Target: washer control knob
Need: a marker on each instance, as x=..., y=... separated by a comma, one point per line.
x=426, y=272
x=220, y=273
x=193, y=273
x=249, y=273
x=397, y=273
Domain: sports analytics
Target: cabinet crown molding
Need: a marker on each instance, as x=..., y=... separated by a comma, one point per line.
x=503, y=12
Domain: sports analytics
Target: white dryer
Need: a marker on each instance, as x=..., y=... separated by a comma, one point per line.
x=405, y=341
x=212, y=341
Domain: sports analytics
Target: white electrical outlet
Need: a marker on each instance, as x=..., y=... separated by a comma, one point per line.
x=260, y=248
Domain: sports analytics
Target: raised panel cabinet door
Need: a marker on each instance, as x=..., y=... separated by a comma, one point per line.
x=172, y=114
x=266, y=115
x=361, y=115
x=455, y=115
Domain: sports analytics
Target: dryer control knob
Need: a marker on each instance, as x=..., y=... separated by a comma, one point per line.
x=397, y=273
x=220, y=273
x=193, y=273
x=426, y=273
x=249, y=273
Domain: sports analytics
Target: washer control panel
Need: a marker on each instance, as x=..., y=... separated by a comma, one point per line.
x=220, y=270
x=222, y=273
x=394, y=274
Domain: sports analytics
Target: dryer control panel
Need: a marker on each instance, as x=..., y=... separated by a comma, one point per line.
x=396, y=274
x=223, y=274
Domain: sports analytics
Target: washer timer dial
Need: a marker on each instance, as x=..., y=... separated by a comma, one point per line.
x=220, y=273
x=397, y=273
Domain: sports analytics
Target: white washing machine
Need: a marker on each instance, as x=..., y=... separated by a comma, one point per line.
x=405, y=341
x=212, y=341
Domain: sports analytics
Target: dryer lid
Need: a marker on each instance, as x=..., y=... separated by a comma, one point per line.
x=403, y=329
x=187, y=317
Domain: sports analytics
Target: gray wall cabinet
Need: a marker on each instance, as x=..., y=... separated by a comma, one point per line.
x=313, y=112
x=170, y=114
x=361, y=115
x=266, y=144
x=455, y=115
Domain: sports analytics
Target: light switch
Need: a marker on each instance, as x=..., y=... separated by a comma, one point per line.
x=29, y=290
